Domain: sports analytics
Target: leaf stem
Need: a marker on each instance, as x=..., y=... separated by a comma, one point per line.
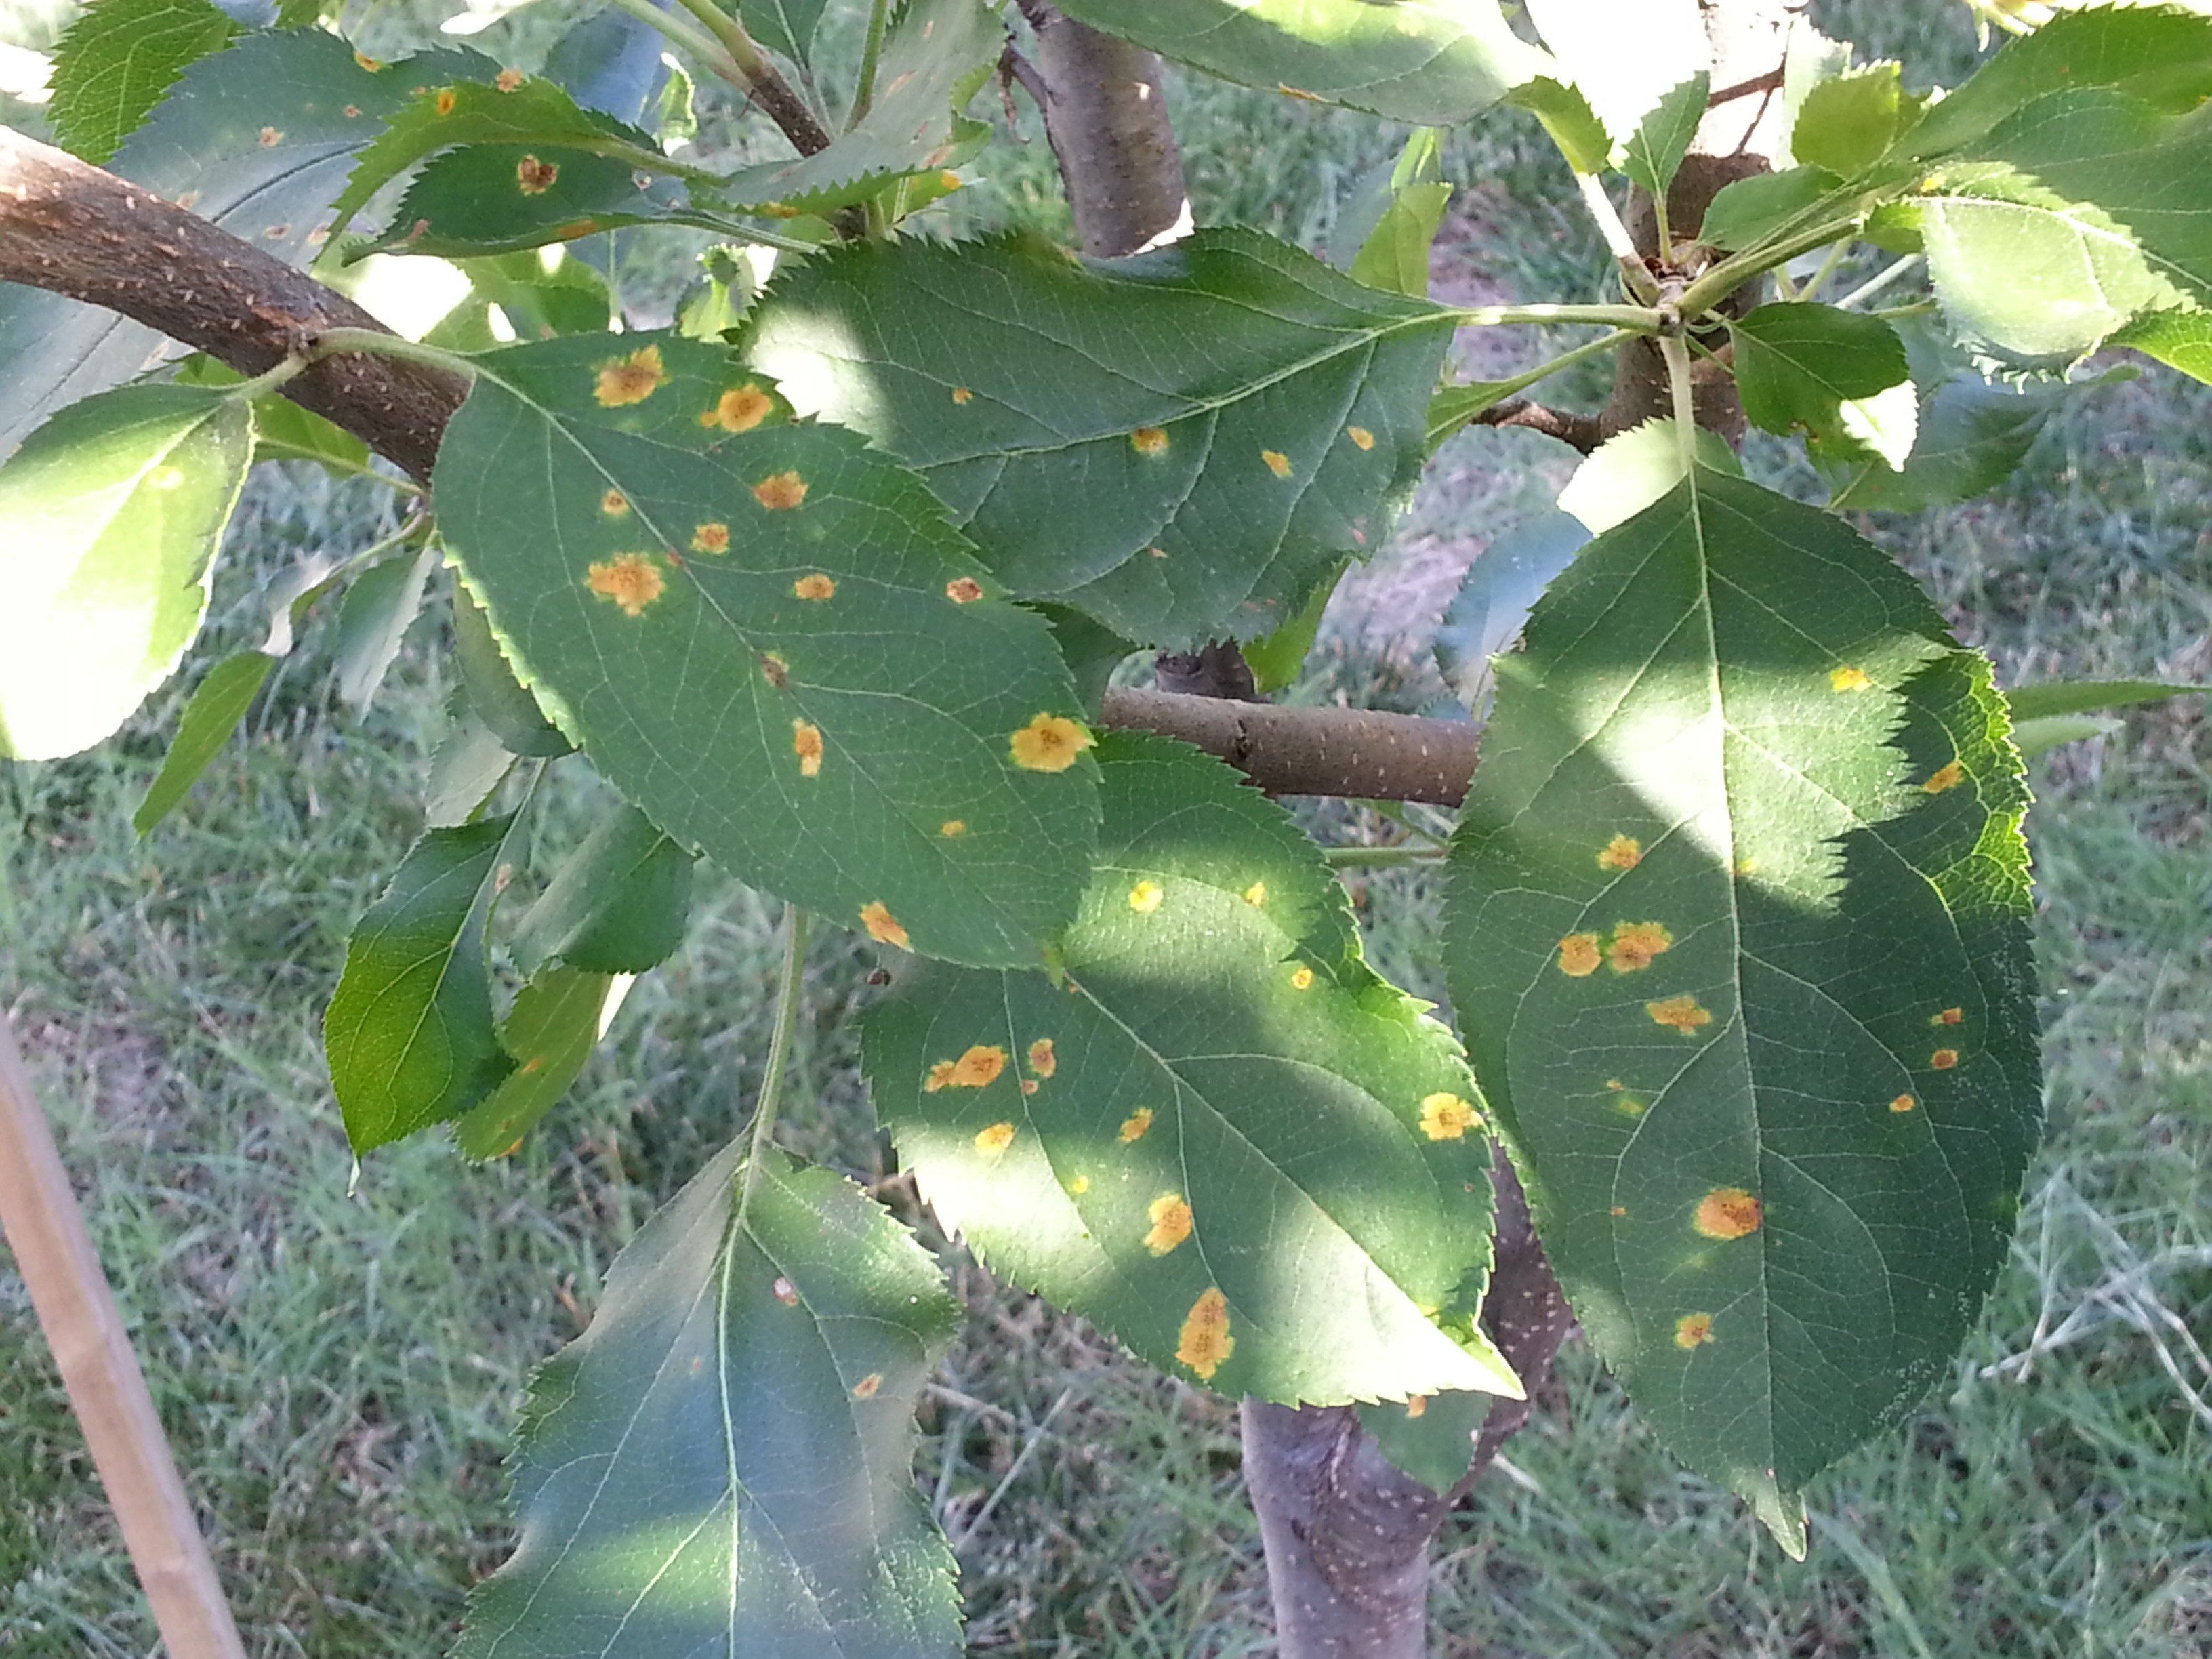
x=1350, y=857
x=1617, y=241
x=246, y=391
x=872, y=54
x=334, y=341
x=1733, y=272
x=1827, y=268
x=1636, y=320
x=1678, y=380
x=1881, y=280
x=696, y=41
x=789, y=986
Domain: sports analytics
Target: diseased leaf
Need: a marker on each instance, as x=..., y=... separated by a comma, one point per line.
x=112, y=65
x=618, y=906
x=1429, y=1437
x=724, y=1461
x=1802, y=367
x=548, y=1034
x=488, y=681
x=1432, y=65
x=1654, y=152
x=208, y=719
x=114, y=510
x=500, y=199
x=1215, y=1086
x=409, y=1032
x=1847, y=123
x=1059, y=407
x=379, y=607
x=767, y=637
x=1737, y=931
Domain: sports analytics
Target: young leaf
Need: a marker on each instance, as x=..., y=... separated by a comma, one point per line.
x=1654, y=151
x=113, y=511
x=1383, y=237
x=209, y=718
x=1737, y=931
x=1626, y=56
x=1846, y=124
x=282, y=431
x=1216, y=1088
x=1566, y=116
x=114, y=62
x=500, y=701
x=618, y=906
x=767, y=637
x=2055, y=697
x=2033, y=736
x=1801, y=367
x=1746, y=212
x=548, y=1035
x=409, y=1032
x=723, y=1462
x=379, y=608
x=1431, y=65
x=1095, y=459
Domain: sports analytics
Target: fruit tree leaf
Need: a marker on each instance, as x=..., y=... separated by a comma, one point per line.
x=548, y=1035
x=2033, y=736
x=1096, y=458
x=723, y=1462
x=2179, y=339
x=1625, y=57
x=1654, y=151
x=618, y=906
x=1802, y=367
x=258, y=138
x=1845, y=123
x=112, y=510
x=2030, y=703
x=1434, y=65
x=1748, y=211
x=1501, y=587
x=1632, y=468
x=379, y=608
x=1737, y=931
x=468, y=764
x=1218, y=1135
x=1382, y=238
x=208, y=719
x=499, y=199
x=282, y=431
x=767, y=637
x=499, y=700
x=409, y=1032
x=114, y=62
x=1429, y=1437
x=1566, y=116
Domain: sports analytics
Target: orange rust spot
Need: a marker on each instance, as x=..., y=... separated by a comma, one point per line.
x=961, y=394
x=507, y=79
x=866, y=1387
x=1849, y=679
x=1042, y=1061
x=1145, y=896
x=1134, y=1124
x=882, y=925
x=1278, y=463
x=1693, y=1330
x=372, y=64
x=613, y=503
x=271, y=137
x=1903, y=1104
x=1621, y=853
x=1079, y=1185
x=816, y=587
x=948, y=180
x=786, y=1292
x=979, y=1067
x=994, y=1138
x=446, y=99
x=1579, y=956
x=1049, y=742
x=740, y=409
x=1447, y=1117
x=1947, y=777
x=1943, y=1059
x=1727, y=1213
x=774, y=670
x=952, y=828
x=1256, y=894
x=940, y=1076
x=630, y=379
x=780, y=492
x=1205, y=1342
x=711, y=538
x=1170, y=1219
x=1302, y=979
x=1614, y=1083
x=632, y=581
x=1635, y=944
x=1417, y=1405
x=1680, y=1014
x=807, y=743
x=964, y=590
x=533, y=177
x=1360, y=435
x=1029, y=1086
x=1948, y=1017
x=1149, y=441
x=1619, y=1210
x=1157, y=552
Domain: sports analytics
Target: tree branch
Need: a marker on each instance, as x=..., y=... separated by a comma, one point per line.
x=1581, y=432
x=1361, y=753
x=1108, y=127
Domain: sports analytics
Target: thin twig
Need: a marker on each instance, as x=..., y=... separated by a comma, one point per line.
x=1875, y=283
x=1583, y=433
x=872, y=54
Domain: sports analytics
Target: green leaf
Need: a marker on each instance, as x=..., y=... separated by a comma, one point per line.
x=1092, y=650
x=784, y=26
x=209, y=718
x=1434, y=1441
x=730, y=1446
x=766, y=635
x=1057, y=407
x=1846, y=124
x=618, y=906
x=541, y=293
x=282, y=431
x=114, y=62
x=1802, y=367
x=1626, y=56
x=1744, y=213
x=1630, y=470
x=113, y=511
x=258, y=139
x=2033, y=737
x=467, y=767
x=2054, y=697
x=1567, y=116
x=548, y=1034
x=1737, y=931
x=1432, y=65
x=1654, y=151
x=409, y=1032
x=2179, y=339
x=499, y=199
x=1277, y=660
x=1501, y=587
x=1809, y=59
x=379, y=607
x=1206, y=1135
x=1389, y=225
x=488, y=681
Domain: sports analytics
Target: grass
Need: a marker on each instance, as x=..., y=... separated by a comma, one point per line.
x=340, y=1363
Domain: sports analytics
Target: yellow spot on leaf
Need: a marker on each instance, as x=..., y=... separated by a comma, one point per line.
x=785, y=1293
x=1149, y=441
x=1360, y=435
x=1621, y=853
x=1946, y=777
x=1134, y=1126
x=881, y=927
x=952, y=829
x=994, y=1138
x=1079, y=1185
x=1447, y=1117
x=1635, y=944
x=964, y=590
x=507, y=79
x=815, y=586
x=1205, y=1342
x=1629, y=1106
x=446, y=99
x=1614, y=1083
x=1256, y=894
x=711, y=538
x=1948, y=1017
x=1943, y=1059
x=1727, y=1213
x=948, y=179
x=1302, y=979
x=1042, y=1061
x=807, y=743
x=1278, y=463
x=866, y=1387
x=1157, y=552
x=1579, y=956
x=630, y=379
x=740, y=409
x=979, y=1067
x=961, y=394
x=1171, y=1219
x=1049, y=742
x=271, y=137
x=1680, y=1014
x=614, y=504
x=1903, y=1104
x=1029, y=1086
x=940, y=1076
x=780, y=491
x=1693, y=1330
x=1849, y=679
x=1145, y=897
x=373, y=65
x=1417, y=1405
x=1619, y=1210
x=632, y=581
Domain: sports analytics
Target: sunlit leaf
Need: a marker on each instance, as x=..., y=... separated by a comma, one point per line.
x=1746, y=213
x=1216, y=1133
x=1845, y=123
x=1625, y=57
x=1566, y=116
x=116, y=60
x=1806, y=367
x=548, y=1034
x=1630, y=470
x=2179, y=339
x=1654, y=152
x=208, y=719
x=1383, y=236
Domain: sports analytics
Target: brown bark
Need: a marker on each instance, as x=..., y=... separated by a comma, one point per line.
x=1362, y=753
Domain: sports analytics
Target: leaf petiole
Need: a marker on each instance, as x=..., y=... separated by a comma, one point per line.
x=1881, y=280
x=872, y=53
x=789, y=986
x=1358, y=858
